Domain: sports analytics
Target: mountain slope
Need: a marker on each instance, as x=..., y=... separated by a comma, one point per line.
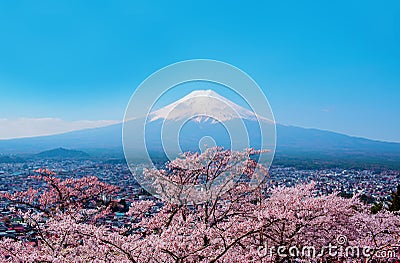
x=107, y=138
x=290, y=139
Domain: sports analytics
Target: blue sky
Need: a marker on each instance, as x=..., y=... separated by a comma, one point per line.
x=332, y=65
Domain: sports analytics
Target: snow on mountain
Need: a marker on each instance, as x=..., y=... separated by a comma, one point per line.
x=203, y=105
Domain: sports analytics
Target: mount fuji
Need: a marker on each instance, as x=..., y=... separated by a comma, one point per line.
x=205, y=113
x=204, y=103
x=181, y=126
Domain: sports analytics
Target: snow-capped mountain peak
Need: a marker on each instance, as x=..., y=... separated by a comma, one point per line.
x=203, y=105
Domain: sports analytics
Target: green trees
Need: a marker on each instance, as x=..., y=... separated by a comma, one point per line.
x=395, y=203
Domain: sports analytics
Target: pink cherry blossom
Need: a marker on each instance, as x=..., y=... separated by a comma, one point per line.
x=240, y=224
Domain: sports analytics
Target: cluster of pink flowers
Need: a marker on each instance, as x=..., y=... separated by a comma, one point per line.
x=233, y=226
x=197, y=178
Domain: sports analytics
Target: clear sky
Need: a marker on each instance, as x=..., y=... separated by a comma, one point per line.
x=332, y=65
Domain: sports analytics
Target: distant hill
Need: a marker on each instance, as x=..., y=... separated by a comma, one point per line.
x=11, y=159
x=62, y=153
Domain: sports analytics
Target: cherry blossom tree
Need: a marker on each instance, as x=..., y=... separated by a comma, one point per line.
x=240, y=222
